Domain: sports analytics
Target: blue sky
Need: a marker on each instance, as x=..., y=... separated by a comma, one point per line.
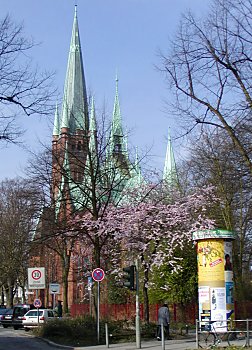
x=116, y=35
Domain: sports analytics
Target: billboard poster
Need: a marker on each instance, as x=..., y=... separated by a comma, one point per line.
x=211, y=260
x=215, y=277
x=228, y=256
x=229, y=292
x=218, y=308
x=203, y=294
x=229, y=282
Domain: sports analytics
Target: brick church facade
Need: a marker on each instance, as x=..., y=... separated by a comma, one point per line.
x=75, y=154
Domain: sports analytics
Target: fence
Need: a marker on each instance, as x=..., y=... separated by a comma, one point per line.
x=179, y=313
x=230, y=332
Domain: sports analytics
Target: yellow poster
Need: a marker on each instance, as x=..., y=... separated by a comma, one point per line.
x=211, y=260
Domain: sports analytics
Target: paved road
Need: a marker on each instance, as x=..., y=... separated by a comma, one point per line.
x=187, y=344
x=19, y=340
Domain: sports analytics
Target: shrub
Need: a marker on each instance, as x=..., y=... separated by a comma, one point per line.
x=73, y=331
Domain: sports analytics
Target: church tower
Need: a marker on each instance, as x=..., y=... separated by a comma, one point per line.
x=71, y=124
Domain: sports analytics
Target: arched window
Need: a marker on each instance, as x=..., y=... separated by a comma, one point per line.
x=79, y=146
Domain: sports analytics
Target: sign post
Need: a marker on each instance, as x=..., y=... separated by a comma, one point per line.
x=138, y=333
x=36, y=278
x=90, y=285
x=98, y=275
x=54, y=288
x=37, y=303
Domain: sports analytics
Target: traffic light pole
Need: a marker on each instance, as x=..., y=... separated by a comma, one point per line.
x=138, y=333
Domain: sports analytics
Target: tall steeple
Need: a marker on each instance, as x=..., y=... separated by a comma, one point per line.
x=116, y=135
x=74, y=106
x=170, y=176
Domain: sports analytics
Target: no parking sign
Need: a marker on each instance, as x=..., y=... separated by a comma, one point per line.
x=98, y=274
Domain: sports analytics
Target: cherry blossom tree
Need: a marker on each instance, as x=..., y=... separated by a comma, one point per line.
x=156, y=232
x=151, y=231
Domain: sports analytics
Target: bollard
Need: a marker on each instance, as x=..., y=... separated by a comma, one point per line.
x=187, y=328
x=107, y=335
x=197, y=334
x=163, y=336
x=247, y=336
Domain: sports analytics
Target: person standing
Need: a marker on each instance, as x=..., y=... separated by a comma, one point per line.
x=59, y=309
x=163, y=318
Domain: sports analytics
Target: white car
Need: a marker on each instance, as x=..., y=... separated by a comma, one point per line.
x=36, y=317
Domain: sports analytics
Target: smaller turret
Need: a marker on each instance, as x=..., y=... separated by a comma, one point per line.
x=170, y=176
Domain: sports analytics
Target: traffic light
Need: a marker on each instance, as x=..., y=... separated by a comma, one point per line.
x=129, y=277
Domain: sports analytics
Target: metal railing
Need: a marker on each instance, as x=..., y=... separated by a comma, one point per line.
x=228, y=331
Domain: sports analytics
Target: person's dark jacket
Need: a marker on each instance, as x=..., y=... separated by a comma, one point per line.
x=163, y=315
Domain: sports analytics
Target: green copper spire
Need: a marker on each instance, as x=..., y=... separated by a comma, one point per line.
x=74, y=107
x=93, y=130
x=56, y=127
x=170, y=176
x=137, y=174
x=116, y=134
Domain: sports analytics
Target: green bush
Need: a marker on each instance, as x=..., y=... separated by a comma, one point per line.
x=82, y=331
x=70, y=331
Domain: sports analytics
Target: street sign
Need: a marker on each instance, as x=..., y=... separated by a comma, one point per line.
x=98, y=274
x=90, y=283
x=36, y=278
x=37, y=303
x=54, y=288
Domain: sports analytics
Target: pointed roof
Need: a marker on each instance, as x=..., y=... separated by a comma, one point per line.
x=117, y=119
x=116, y=139
x=170, y=176
x=74, y=107
x=93, y=131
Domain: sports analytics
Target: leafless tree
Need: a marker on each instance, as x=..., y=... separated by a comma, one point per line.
x=23, y=90
x=209, y=70
x=215, y=161
x=80, y=177
x=19, y=205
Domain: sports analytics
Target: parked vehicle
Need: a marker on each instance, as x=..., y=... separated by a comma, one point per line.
x=2, y=311
x=18, y=312
x=6, y=318
x=34, y=318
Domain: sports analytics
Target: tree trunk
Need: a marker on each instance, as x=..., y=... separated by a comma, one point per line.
x=146, y=297
x=65, y=273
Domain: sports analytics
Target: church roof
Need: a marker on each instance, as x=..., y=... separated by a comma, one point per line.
x=170, y=176
x=74, y=107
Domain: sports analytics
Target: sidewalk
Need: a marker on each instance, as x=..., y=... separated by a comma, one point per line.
x=185, y=344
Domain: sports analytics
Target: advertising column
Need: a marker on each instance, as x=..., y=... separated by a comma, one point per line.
x=215, y=276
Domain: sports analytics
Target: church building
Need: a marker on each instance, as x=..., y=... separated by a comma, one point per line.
x=86, y=161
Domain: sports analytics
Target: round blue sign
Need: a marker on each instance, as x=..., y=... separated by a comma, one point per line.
x=37, y=303
x=98, y=274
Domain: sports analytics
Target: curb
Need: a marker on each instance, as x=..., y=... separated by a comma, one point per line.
x=49, y=342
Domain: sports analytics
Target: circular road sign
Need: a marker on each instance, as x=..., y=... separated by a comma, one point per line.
x=37, y=303
x=36, y=274
x=98, y=274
